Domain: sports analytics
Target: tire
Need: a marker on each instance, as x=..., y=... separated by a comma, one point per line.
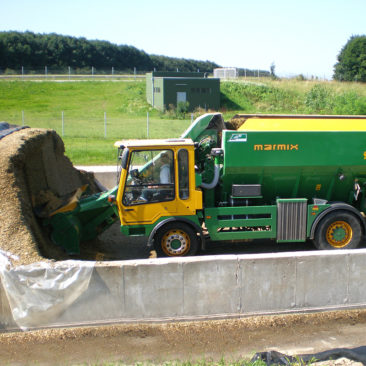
x=338, y=230
x=176, y=239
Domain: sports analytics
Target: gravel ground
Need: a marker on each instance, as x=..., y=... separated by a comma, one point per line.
x=193, y=341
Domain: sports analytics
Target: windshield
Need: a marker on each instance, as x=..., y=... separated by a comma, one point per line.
x=150, y=177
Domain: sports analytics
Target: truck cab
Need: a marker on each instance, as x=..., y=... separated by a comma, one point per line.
x=157, y=194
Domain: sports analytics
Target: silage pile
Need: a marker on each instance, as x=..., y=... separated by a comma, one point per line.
x=33, y=167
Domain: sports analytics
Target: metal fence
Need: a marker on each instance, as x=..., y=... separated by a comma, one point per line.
x=93, y=72
x=71, y=73
x=103, y=125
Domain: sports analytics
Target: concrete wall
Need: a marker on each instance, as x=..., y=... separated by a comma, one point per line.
x=106, y=175
x=215, y=286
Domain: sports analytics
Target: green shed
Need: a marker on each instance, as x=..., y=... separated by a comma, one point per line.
x=165, y=90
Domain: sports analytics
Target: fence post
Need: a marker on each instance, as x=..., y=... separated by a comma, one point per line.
x=152, y=89
x=105, y=124
x=63, y=123
x=191, y=118
x=69, y=72
x=147, y=125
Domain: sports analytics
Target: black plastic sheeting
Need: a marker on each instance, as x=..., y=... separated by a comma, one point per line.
x=7, y=129
x=276, y=358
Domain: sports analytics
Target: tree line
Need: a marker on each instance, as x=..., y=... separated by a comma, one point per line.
x=35, y=51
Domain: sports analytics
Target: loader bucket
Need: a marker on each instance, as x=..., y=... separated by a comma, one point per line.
x=82, y=220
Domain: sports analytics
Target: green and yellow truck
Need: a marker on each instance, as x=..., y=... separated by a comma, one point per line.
x=287, y=178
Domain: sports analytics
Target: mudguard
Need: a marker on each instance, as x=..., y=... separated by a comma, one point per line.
x=335, y=207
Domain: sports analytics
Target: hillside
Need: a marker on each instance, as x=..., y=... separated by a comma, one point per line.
x=294, y=97
x=96, y=114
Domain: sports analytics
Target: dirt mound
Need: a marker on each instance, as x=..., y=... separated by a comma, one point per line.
x=33, y=168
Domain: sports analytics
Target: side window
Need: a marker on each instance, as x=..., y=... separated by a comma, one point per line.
x=183, y=174
x=150, y=177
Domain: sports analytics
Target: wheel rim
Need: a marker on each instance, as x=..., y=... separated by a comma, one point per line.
x=339, y=234
x=175, y=242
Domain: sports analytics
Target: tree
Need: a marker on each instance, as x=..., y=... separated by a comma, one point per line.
x=351, y=65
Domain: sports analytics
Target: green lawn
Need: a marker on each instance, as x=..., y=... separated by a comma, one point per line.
x=87, y=105
x=87, y=134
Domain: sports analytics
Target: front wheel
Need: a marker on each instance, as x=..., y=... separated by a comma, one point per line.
x=338, y=230
x=176, y=239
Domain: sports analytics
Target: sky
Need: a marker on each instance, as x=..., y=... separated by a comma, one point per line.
x=298, y=37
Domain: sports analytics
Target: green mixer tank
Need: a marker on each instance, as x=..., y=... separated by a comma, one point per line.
x=281, y=175
x=302, y=162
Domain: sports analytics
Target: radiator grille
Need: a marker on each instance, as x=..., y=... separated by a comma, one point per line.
x=291, y=220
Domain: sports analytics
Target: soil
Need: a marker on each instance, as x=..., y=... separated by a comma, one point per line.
x=34, y=172
x=187, y=341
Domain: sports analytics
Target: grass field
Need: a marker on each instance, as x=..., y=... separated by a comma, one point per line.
x=84, y=105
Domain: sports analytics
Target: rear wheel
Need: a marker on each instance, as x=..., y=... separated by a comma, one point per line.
x=176, y=239
x=338, y=230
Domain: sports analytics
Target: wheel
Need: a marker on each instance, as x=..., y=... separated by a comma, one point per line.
x=176, y=239
x=338, y=230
